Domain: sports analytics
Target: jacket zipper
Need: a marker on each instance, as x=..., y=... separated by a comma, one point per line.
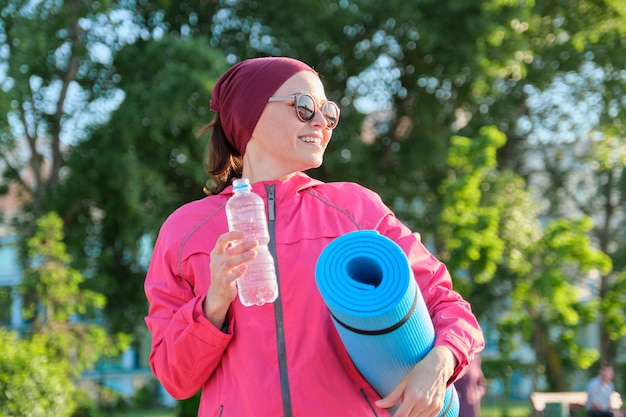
x=278, y=305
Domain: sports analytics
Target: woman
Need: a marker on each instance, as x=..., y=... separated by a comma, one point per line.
x=283, y=359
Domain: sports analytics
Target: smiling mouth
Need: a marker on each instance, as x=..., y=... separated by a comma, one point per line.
x=310, y=139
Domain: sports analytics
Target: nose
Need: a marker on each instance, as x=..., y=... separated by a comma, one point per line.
x=319, y=120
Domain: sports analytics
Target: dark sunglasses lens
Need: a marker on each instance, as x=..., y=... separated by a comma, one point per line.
x=305, y=108
x=331, y=114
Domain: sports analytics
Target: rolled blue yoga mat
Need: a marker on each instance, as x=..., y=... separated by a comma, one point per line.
x=368, y=286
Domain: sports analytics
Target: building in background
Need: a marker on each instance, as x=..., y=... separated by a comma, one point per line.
x=10, y=270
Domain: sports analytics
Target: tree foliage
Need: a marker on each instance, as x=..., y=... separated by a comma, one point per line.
x=582, y=174
x=127, y=177
x=548, y=304
x=56, y=302
x=498, y=250
x=56, y=81
x=469, y=227
x=32, y=382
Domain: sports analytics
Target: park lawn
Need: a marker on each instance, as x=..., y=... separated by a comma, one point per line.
x=148, y=413
x=505, y=408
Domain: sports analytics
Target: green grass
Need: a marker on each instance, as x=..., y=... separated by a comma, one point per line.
x=505, y=408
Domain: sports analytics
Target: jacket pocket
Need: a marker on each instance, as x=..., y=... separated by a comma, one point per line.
x=364, y=394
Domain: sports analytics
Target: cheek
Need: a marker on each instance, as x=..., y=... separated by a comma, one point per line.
x=328, y=134
x=277, y=137
x=278, y=122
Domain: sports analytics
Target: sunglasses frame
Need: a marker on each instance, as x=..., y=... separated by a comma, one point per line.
x=294, y=99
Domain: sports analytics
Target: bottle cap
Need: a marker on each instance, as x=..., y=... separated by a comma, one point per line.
x=241, y=184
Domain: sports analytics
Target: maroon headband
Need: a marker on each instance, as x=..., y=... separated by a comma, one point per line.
x=240, y=95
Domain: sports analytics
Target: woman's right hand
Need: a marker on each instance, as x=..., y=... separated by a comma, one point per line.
x=228, y=264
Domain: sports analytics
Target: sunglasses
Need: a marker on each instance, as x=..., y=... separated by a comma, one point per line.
x=306, y=107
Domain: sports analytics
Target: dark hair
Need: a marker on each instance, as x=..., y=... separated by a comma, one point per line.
x=223, y=162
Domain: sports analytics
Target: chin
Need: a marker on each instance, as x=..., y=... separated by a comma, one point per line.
x=317, y=163
x=310, y=162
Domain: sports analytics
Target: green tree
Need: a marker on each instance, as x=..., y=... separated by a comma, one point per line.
x=548, y=304
x=612, y=308
x=497, y=249
x=469, y=228
x=65, y=316
x=579, y=171
x=126, y=178
x=487, y=223
x=32, y=382
x=575, y=131
x=57, y=84
x=61, y=79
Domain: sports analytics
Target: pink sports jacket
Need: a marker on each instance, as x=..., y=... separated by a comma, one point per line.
x=284, y=358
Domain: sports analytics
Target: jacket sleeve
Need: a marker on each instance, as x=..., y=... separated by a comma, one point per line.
x=455, y=325
x=186, y=347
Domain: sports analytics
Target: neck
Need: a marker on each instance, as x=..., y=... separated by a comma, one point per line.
x=254, y=173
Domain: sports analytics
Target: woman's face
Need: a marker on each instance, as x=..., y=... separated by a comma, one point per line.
x=281, y=144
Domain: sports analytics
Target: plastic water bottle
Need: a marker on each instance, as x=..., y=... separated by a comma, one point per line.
x=245, y=211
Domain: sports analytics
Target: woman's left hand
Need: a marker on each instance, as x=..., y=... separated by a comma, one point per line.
x=422, y=391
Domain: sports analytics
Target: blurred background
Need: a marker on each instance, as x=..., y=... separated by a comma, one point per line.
x=496, y=129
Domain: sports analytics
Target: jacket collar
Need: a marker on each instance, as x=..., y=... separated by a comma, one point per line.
x=296, y=184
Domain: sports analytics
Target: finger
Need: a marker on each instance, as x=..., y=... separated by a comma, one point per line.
x=403, y=410
x=241, y=248
x=414, y=407
x=232, y=261
x=421, y=407
x=231, y=276
x=225, y=240
x=236, y=273
x=392, y=398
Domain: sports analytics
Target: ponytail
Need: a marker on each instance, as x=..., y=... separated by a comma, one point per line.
x=223, y=162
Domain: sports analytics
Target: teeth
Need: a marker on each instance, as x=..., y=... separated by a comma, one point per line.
x=309, y=139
